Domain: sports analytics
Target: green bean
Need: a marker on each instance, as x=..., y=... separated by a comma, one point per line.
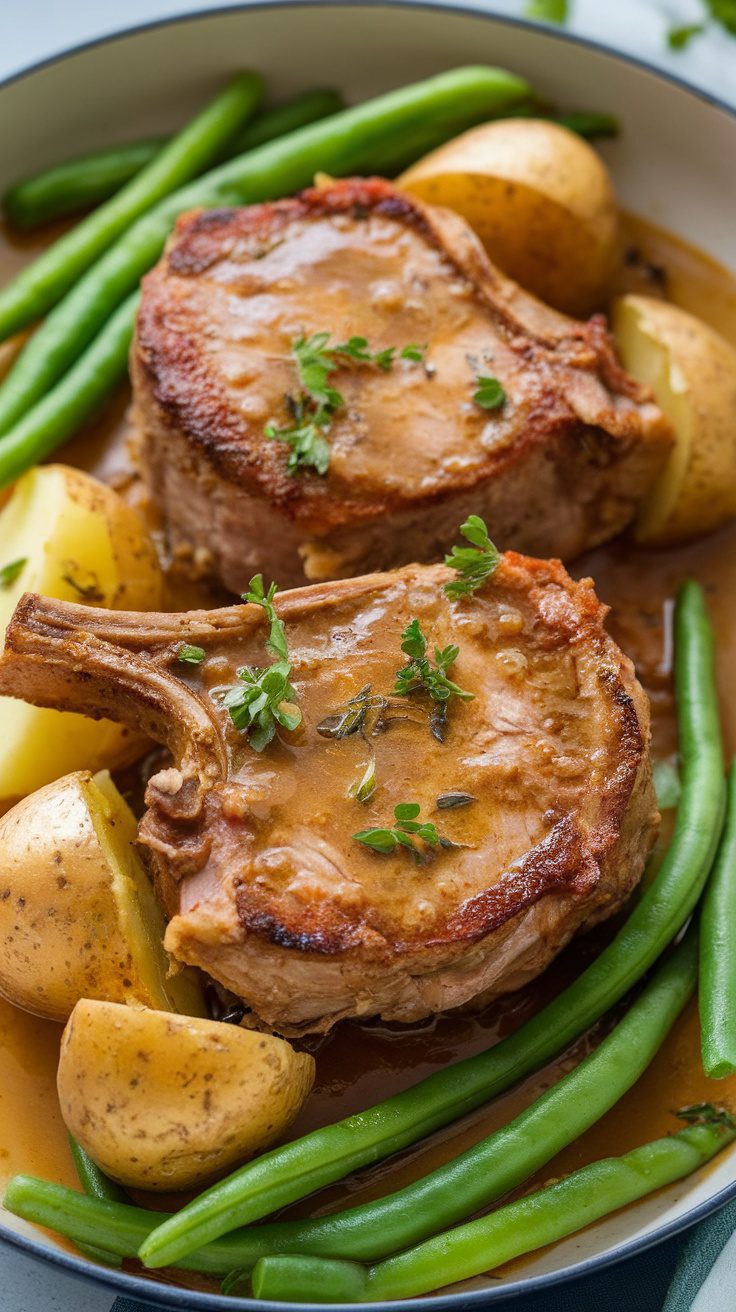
x=97, y=1185
x=81, y=391
x=718, y=953
x=299, y=1168
x=471, y=1181
x=351, y=141
x=584, y=123
x=541, y=1218
x=484, y=1172
x=77, y=184
x=81, y=183
x=42, y=284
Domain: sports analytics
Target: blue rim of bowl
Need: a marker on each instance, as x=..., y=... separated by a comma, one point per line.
x=176, y=1297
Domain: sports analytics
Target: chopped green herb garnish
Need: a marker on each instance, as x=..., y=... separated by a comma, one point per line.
x=490, y=394
x=10, y=572
x=450, y=801
x=403, y=833
x=313, y=410
x=547, y=11
x=350, y=718
x=422, y=672
x=724, y=12
x=705, y=1113
x=189, y=655
x=363, y=790
x=680, y=37
x=473, y=564
x=262, y=698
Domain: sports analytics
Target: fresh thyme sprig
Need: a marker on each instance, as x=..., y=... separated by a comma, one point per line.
x=403, y=833
x=473, y=564
x=12, y=571
x=422, y=672
x=262, y=698
x=313, y=410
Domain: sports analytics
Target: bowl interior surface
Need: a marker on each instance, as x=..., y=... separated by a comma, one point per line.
x=667, y=166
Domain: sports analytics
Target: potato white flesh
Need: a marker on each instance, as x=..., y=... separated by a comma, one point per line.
x=78, y=541
x=78, y=916
x=541, y=201
x=692, y=372
x=191, y=1097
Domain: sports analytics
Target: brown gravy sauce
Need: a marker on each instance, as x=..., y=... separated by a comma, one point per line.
x=359, y=1064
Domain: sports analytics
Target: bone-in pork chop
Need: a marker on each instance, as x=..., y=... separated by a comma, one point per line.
x=538, y=786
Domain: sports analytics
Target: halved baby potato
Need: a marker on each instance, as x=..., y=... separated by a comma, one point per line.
x=78, y=915
x=166, y=1102
x=541, y=201
x=64, y=534
x=692, y=372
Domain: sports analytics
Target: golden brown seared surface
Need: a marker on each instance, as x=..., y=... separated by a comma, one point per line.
x=560, y=466
x=254, y=854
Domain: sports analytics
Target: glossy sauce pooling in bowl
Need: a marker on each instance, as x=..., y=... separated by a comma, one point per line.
x=360, y=1064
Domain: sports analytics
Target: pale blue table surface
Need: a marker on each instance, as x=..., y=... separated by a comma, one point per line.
x=32, y=30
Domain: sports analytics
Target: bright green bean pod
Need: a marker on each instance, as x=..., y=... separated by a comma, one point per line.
x=42, y=284
x=473, y=1180
x=81, y=183
x=541, y=1218
x=97, y=1185
x=77, y=184
x=308, y=107
x=352, y=141
x=478, y=1176
x=717, y=990
x=297, y=1169
x=81, y=392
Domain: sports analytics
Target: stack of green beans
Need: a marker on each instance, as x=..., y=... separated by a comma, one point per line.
x=521, y=1227
x=88, y=180
x=81, y=183
x=203, y=1237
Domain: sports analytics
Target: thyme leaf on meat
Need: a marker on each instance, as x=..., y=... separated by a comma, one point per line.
x=263, y=698
x=450, y=801
x=473, y=564
x=422, y=672
x=12, y=571
x=489, y=395
x=189, y=655
x=364, y=788
x=315, y=406
x=404, y=833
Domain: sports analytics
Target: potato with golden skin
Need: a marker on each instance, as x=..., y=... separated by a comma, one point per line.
x=64, y=534
x=166, y=1102
x=541, y=201
x=692, y=372
x=78, y=915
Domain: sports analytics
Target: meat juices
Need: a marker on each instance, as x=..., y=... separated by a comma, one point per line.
x=254, y=855
x=556, y=469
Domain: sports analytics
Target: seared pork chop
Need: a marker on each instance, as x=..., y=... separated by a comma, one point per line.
x=557, y=467
x=539, y=787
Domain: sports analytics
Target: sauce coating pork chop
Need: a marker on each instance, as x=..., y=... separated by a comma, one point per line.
x=557, y=468
x=254, y=855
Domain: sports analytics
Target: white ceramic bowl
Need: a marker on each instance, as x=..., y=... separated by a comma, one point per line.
x=673, y=164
